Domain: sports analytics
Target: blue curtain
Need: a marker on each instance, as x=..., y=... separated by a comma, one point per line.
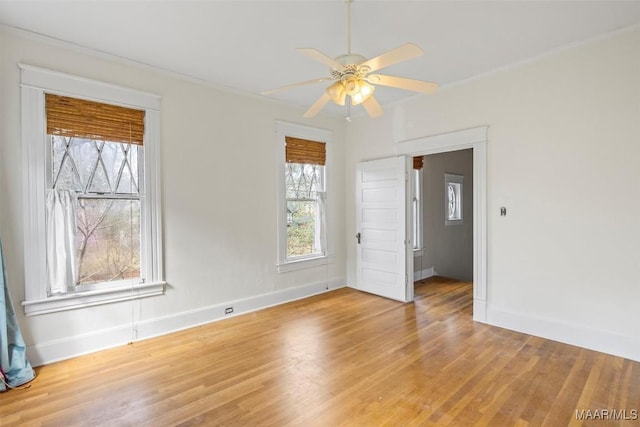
x=15, y=369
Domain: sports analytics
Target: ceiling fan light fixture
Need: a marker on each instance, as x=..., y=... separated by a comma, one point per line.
x=337, y=93
x=351, y=75
x=352, y=86
x=365, y=90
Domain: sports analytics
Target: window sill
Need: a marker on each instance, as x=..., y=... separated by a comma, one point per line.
x=90, y=298
x=302, y=263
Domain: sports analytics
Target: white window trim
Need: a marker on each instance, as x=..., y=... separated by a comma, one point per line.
x=34, y=83
x=284, y=129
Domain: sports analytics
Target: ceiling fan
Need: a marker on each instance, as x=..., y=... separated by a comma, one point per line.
x=352, y=75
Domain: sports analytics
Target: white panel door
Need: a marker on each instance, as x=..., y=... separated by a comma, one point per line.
x=382, y=245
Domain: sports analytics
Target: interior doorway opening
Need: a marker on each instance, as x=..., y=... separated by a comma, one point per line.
x=442, y=206
x=476, y=140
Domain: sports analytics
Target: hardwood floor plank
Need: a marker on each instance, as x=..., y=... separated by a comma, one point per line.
x=343, y=358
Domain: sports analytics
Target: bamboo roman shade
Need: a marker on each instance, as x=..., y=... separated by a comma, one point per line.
x=418, y=162
x=305, y=151
x=93, y=120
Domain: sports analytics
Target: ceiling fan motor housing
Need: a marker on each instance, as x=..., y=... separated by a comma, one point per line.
x=351, y=67
x=350, y=58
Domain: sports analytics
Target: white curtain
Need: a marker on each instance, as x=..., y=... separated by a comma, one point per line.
x=62, y=255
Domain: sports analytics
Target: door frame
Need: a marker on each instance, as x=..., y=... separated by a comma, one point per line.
x=475, y=138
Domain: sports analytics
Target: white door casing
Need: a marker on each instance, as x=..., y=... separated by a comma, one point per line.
x=475, y=138
x=383, y=252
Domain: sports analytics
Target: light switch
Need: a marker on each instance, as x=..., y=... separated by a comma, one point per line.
x=503, y=211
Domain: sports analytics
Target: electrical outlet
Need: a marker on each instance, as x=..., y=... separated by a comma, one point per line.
x=228, y=310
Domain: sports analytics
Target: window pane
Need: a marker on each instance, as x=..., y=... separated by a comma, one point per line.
x=108, y=240
x=127, y=183
x=301, y=227
x=99, y=183
x=66, y=174
x=303, y=184
x=112, y=156
x=417, y=212
x=416, y=222
x=303, y=180
x=95, y=166
x=454, y=191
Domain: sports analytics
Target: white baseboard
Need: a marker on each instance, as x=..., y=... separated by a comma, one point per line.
x=423, y=274
x=53, y=351
x=479, y=310
x=626, y=346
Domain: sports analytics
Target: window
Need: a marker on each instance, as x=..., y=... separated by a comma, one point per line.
x=93, y=232
x=453, y=199
x=304, y=186
x=418, y=163
x=302, y=196
x=101, y=174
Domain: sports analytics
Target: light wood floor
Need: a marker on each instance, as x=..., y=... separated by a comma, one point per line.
x=342, y=358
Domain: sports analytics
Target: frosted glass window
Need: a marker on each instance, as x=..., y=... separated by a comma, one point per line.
x=453, y=185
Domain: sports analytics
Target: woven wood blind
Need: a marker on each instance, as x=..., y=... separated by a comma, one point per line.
x=418, y=162
x=93, y=120
x=305, y=151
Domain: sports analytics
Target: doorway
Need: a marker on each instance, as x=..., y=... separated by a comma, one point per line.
x=443, y=215
x=475, y=139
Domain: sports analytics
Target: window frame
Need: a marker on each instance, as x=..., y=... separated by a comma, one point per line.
x=35, y=82
x=284, y=129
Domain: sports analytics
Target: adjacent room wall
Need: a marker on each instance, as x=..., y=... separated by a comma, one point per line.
x=563, y=157
x=448, y=249
x=218, y=173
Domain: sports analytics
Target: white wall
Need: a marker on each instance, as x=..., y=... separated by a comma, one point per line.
x=564, y=158
x=219, y=204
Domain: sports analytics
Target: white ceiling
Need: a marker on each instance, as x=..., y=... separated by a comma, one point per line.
x=250, y=45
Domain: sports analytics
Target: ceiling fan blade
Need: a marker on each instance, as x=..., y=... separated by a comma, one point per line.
x=323, y=58
x=402, y=83
x=373, y=108
x=317, y=106
x=294, y=85
x=399, y=54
